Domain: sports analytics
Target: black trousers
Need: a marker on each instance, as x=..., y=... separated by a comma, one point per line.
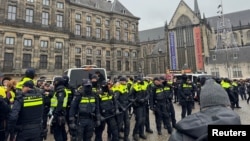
x=171, y=112
x=59, y=130
x=29, y=135
x=186, y=108
x=123, y=119
x=140, y=117
x=161, y=115
x=112, y=126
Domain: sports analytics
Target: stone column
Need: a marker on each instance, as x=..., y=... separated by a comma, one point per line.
x=51, y=54
x=19, y=50
x=66, y=53
x=1, y=48
x=3, y=10
x=36, y=51
x=21, y=11
x=38, y=12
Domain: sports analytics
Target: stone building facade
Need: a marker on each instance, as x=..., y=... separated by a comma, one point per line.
x=188, y=41
x=54, y=35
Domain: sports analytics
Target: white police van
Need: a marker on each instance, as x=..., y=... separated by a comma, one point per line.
x=76, y=75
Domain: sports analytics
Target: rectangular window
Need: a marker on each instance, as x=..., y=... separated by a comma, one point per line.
x=78, y=63
x=60, y=5
x=9, y=40
x=126, y=54
x=117, y=35
x=59, y=20
x=214, y=57
x=99, y=63
x=134, y=66
x=46, y=2
x=89, y=51
x=98, y=33
x=119, y=65
x=237, y=73
x=88, y=19
x=126, y=36
x=235, y=56
x=29, y=15
x=26, y=61
x=108, y=65
x=8, y=62
x=125, y=25
x=107, y=53
x=78, y=50
x=88, y=31
x=133, y=54
x=11, y=12
x=44, y=44
x=59, y=45
x=107, y=22
x=117, y=23
x=133, y=26
x=27, y=43
x=30, y=0
x=133, y=37
x=107, y=34
x=89, y=62
x=78, y=16
x=45, y=18
x=78, y=29
x=43, y=61
x=98, y=21
x=58, y=62
x=119, y=53
x=98, y=52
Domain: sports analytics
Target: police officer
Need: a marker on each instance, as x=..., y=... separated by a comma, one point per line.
x=95, y=84
x=26, y=114
x=236, y=93
x=123, y=102
x=108, y=111
x=226, y=84
x=4, y=111
x=147, y=120
x=186, y=96
x=168, y=90
x=29, y=75
x=59, y=102
x=85, y=106
x=140, y=96
x=158, y=104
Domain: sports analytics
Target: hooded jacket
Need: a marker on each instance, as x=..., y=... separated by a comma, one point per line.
x=194, y=126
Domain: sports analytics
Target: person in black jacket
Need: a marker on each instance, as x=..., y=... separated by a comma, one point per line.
x=59, y=102
x=215, y=109
x=4, y=111
x=26, y=115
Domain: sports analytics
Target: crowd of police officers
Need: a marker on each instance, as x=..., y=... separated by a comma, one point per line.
x=28, y=107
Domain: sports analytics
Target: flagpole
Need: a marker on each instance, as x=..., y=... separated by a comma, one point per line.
x=222, y=14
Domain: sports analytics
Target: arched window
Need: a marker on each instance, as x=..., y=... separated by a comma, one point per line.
x=248, y=35
x=183, y=20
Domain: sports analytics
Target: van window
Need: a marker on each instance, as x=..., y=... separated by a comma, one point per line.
x=77, y=75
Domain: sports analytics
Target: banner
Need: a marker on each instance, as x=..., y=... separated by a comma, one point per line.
x=172, y=52
x=198, y=48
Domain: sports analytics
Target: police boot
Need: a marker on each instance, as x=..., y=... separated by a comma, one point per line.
x=136, y=137
x=126, y=139
x=143, y=136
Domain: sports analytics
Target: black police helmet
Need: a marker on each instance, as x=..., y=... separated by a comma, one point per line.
x=86, y=82
x=123, y=79
x=66, y=79
x=184, y=77
x=58, y=81
x=94, y=76
x=104, y=83
x=30, y=72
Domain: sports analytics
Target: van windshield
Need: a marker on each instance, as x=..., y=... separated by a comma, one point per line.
x=77, y=75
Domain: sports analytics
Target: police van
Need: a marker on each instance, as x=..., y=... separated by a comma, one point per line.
x=76, y=75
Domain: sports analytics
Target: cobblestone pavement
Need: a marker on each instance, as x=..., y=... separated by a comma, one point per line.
x=244, y=113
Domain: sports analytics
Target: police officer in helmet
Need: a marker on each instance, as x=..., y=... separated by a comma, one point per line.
x=26, y=114
x=59, y=102
x=30, y=74
x=85, y=106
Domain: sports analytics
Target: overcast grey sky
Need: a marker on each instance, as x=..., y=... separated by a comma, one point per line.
x=154, y=13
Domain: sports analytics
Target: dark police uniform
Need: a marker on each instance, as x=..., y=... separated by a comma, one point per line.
x=26, y=115
x=59, y=102
x=85, y=106
x=123, y=97
x=186, y=97
x=140, y=94
x=108, y=111
x=29, y=75
x=4, y=111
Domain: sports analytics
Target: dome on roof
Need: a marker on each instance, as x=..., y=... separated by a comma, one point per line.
x=159, y=47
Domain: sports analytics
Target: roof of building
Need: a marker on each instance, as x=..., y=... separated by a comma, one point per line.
x=236, y=18
x=105, y=5
x=159, y=47
x=152, y=34
x=220, y=57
